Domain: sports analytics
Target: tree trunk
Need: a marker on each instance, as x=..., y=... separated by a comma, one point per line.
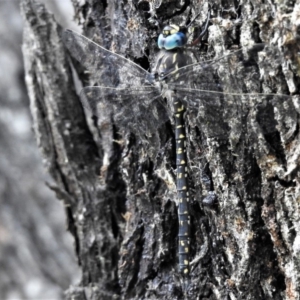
x=120, y=195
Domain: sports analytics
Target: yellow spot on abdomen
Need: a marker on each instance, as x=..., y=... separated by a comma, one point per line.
x=174, y=58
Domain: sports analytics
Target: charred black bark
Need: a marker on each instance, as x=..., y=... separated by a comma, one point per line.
x=120, y=195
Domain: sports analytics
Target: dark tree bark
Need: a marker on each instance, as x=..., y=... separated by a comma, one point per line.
x=119, y=195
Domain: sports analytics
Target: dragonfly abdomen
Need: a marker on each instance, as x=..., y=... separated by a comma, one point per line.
x=182, y=190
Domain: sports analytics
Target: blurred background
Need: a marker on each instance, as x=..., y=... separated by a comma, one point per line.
x=37, y=258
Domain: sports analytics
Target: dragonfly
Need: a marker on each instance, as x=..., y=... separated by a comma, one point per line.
x=137, y=101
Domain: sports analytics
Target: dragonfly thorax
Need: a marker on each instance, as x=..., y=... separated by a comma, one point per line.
x=172, y=37
x=169, y=63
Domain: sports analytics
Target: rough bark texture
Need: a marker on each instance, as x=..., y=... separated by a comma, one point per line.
x=36, y=254
x=120, y=198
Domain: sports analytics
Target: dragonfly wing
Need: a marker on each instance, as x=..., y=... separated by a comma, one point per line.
x=217, y=91
x=227, y=114
x=191, y=72
x=142, y=111
x=106, y=67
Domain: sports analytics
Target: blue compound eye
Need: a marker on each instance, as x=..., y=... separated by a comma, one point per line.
x=175, y=40
x=161, y=41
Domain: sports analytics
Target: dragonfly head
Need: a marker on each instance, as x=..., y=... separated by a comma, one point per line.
x=172, y=37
